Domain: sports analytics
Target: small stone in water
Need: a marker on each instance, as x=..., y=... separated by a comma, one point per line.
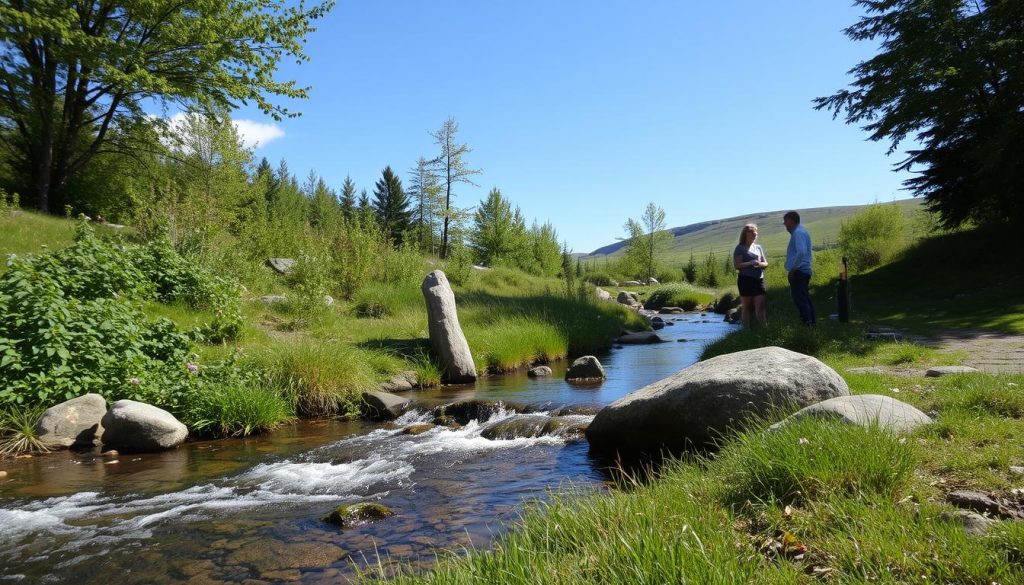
x=3, y=474
x=354, y=514
x=112, y=461
x=111, y=453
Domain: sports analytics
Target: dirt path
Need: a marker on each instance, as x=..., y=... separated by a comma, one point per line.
x=988, y=351
x=997, y=353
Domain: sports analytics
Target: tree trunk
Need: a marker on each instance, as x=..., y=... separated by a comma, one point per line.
x=447, y=215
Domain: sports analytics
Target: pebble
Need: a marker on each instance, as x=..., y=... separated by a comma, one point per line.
x=111, y=453
x=112, y=461
x=3, y=474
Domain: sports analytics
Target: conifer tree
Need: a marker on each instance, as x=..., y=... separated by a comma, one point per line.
x=348, y=197
x=391, y=206
x=451, y=169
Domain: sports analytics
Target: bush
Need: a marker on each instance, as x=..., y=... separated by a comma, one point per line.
x=599, y=279
x=873, y=236
x=678, y=294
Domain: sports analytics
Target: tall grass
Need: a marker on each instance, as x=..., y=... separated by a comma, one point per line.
x=522, y=342
x=236, y=411
x=18, y=430
x=322, y=378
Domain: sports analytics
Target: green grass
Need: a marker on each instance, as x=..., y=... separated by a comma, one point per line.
x=950, y=281
x=234, y=411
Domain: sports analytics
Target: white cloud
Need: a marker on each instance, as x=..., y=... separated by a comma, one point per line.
x=257, y=134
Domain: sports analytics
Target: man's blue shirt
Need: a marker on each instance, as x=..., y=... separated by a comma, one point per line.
x=798, y=254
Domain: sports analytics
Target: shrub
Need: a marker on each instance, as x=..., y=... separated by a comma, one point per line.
x=678, y=294
x=18, y=430
x=873, y=236
x=600, y=279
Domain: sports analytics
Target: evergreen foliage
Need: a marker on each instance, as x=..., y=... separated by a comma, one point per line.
x=499, y=236
x=950, y=76
x=391, y=206
x=451, y=169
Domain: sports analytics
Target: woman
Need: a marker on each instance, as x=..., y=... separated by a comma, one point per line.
x=750, y=261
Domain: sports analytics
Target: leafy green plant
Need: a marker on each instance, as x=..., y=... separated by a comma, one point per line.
x=873, y=236
x=238, y=411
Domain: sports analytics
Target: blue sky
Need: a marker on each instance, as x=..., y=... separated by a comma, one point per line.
x=583, y=112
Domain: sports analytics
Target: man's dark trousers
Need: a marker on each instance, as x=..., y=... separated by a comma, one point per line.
x=800, y=287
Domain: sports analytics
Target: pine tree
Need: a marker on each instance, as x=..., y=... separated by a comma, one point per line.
x=348, y=197
x=499, y=233
x=451, y=169
x=391, y=206
x=690, y=270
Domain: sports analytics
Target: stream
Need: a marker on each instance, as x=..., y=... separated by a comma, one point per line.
x=234, y=511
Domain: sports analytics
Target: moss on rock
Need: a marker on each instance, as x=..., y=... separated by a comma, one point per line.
x=358, y=513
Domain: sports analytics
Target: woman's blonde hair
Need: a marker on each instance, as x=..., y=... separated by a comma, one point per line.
x=743, y=232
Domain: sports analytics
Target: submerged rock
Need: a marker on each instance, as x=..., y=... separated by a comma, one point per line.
x=133, y=427
x=274, y=555
x=692, y=407
x=76, y=422
x=539, y=372
x=640, y=338
x=516, y=427
x=478, y=410
x=417, y=429
x=446, y=336
x=585, y=369
x=355, y=514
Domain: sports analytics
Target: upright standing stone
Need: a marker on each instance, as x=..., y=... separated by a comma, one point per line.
x=446, y=335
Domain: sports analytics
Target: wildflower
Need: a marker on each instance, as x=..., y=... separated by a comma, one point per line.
x=192, y=367
x=802, y=441
x=135, y=380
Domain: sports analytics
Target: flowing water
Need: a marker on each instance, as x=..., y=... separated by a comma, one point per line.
x=249, y=510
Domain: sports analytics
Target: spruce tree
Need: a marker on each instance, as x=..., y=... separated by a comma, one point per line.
x=348, y=197
x=391, y=206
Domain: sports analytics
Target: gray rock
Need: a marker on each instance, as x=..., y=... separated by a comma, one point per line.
x=381, y=405
x=328, y=301
x=652, y=280
x=570, y=428
x=576, y=410
x=632, y=283
x=695, y=405
x=417, y=429
x=401, y=382
x=602, y=294
x=866, y=409
x=585, y=369
x=657, y=323
x=281, y=265
x=983, y=503
x=273, y=299
x=76, y=422
x=446, y=336
x=939, y=371
x=539, y=372
x=640, y=338
x=134, y=427
x=515, y=427
x=626, y=298
x=974, y=524
x=671, y=311
x=1016, y=470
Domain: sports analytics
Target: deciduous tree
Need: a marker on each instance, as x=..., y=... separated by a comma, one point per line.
x=451, y=169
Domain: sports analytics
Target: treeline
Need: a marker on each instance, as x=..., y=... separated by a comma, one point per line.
x=196, y=180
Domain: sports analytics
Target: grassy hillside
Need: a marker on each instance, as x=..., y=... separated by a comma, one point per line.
x=720, y=235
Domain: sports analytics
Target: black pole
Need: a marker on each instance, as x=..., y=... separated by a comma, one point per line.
x=843, y=298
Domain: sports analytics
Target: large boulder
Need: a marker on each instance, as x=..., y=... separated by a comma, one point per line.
x=381, y=405
x=446, y=335
x=134, y=427
x=692, y=407
x=626, y=298
x=865, y=410
x=585, y=369
x=603, y=295
x=75, y=423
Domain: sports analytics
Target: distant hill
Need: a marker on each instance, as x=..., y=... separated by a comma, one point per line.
x=720, y=235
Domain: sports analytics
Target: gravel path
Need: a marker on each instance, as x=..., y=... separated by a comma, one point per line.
x=988, y=351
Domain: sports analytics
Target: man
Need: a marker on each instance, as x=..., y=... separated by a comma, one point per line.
x=798, y=263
